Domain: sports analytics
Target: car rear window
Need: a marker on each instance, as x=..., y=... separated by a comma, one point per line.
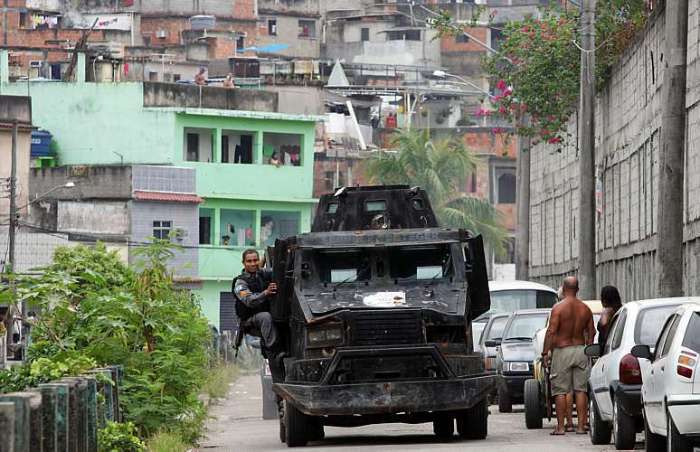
x=692, y=333
x=649, y=324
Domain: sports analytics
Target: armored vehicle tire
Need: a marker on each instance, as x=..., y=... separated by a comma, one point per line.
x=297, y=426
x=533, y=404
x=444, y=425
x=505, y=405
x=473, y=423
x=600, y=431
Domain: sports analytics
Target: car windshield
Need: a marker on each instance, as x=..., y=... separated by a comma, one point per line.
x=496, y=329
x=692, y=334
x=515, y=300
x=649, y=323
x=524, y=326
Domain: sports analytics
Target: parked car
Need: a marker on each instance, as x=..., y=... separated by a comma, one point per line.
x=615, y=403
x=477, y=330
x=491, y=338
x=671, y=387
x=535, y=390
x=516, y=354
x=511, y=296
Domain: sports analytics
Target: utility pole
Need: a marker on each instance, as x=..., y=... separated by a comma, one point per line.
x=522, y=233
x=9, y=314
x=586, y=232
x=669, y=251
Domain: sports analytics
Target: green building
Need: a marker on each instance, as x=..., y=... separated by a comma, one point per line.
x=254, y=166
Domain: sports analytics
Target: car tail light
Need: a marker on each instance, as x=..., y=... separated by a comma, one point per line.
x=686, y=363
x=630, y=373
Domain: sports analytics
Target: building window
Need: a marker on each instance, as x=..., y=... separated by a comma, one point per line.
x=152, y=76
x=206, y=222
x=461, y=38
x=330, y=175
x=472, y=183
x=282, y=149
x=506, y=187
x=237, y=228
x=364, y=34
x=272, y=27
x=307, y=29
x=240, y=43
x=161, y=229
x=176, y=77
x=403, y=35
x=237, y=147
x=198, y=145
x=278, y=225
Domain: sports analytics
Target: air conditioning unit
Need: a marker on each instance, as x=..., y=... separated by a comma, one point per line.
x=161, y=34
x=35, y=64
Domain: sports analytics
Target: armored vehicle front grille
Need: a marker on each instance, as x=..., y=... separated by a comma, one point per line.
x=388, y=328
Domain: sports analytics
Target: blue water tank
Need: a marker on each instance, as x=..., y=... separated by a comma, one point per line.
x=41, y=143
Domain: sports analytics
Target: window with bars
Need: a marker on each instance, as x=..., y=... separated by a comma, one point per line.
x=161, y=229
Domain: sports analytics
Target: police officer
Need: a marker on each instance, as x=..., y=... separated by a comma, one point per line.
x=253, y=289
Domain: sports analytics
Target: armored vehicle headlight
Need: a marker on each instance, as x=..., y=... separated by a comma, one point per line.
x=325, y=336
x=518, y=366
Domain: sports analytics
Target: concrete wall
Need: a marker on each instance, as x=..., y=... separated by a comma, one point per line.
x=307, y=100
x=176, y=95
x=91, y=182
x=23, y=151
x=93, y=217
x=628, y=119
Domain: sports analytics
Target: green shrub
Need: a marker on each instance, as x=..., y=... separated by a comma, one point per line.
x=118, y=437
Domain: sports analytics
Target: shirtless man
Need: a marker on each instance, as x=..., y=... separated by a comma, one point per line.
x=570, y=330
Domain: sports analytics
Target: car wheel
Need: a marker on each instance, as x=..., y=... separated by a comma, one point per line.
x=675, y=442
x=533, y=404
x=600, y=430
x=624, y=431
x=444, y=426
x=296, y=425
x=473, y=423
x=652, y=441
x=505, y=405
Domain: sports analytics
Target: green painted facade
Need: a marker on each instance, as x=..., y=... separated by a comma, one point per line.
x=106, y=123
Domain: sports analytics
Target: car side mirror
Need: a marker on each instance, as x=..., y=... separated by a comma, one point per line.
x=593, y=350
x=492, y=343
x=642, y=351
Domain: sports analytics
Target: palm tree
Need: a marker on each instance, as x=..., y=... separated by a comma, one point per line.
x=441, y=168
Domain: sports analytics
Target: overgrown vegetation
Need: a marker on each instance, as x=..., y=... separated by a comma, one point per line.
x=536, y=68
x=441, y=168
x=119, y=437
x=94, y=310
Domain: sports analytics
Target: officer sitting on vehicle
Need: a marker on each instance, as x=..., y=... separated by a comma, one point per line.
x=253, y=289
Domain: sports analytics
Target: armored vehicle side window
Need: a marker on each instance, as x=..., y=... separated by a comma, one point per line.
x=418, y=204
x=429, y=262
x=332, y=208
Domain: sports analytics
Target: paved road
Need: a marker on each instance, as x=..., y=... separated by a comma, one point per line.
x=238, y=426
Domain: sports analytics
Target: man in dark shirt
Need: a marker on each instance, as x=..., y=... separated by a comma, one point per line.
x=253, y=289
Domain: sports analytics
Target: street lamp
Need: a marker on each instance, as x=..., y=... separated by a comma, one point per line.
x=442, y=74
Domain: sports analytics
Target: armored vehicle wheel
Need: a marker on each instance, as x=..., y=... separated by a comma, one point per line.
x=444, y=425
x=473, y=423
x=280, y=414
x=505, y=405
x=297, y=426
x=533, y=404
x=317, y=430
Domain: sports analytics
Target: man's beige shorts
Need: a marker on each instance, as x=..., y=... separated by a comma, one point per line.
x=570, y=370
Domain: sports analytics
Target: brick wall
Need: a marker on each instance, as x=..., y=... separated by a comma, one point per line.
x=628, y=119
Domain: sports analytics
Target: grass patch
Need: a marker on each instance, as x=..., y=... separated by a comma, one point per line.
x=167, y=442
x=218, y=380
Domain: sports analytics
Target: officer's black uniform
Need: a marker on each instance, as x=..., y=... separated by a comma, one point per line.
x=253, y=305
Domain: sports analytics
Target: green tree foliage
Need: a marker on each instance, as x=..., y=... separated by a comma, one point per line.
x=441, y=168
x=536, y=67
x=119, y=437
x=89, y=303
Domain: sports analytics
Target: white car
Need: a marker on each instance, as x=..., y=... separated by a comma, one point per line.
x=671, y=388
x=615, y=403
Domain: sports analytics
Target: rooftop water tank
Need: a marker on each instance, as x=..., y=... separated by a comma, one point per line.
x=202, y=22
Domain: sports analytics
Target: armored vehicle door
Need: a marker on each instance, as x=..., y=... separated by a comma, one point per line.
x=479, y=299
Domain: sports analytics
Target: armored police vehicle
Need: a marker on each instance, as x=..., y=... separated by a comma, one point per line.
x=375, y=308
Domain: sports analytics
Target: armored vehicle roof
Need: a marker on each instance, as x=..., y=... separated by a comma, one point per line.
x=374, y=207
